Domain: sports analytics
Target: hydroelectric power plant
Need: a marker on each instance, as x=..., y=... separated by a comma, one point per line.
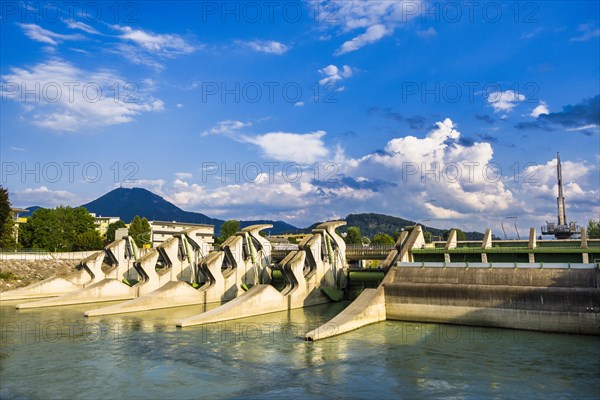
x=282, y=317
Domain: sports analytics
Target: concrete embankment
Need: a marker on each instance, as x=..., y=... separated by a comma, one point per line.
x=556, y=298
x=15, y=274
x=542, y=299
x=368, y=308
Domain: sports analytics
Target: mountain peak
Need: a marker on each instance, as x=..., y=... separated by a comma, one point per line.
x=126, y=203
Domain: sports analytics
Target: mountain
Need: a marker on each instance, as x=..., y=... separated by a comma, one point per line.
x=370, y=224
x=31, y=210
x=127, y=203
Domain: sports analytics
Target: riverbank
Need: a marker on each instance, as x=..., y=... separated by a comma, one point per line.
x=15, y=274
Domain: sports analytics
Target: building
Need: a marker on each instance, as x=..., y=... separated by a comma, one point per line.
x=163, y=230
x=102, y=223
x=18, y=220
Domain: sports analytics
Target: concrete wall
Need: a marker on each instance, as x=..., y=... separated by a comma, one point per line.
x=72, y=256
x=557, y=300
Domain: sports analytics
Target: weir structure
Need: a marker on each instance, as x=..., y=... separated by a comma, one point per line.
x=318, y=264
x=219, y=276
x=174, y=259
x=523, y=294
x=117, y=256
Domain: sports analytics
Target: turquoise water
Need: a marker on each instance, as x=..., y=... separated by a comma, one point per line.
x=57, y=353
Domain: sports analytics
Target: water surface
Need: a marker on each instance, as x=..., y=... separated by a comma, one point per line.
x=56, y=353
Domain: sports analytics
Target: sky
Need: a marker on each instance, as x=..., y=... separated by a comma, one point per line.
x=445, y=113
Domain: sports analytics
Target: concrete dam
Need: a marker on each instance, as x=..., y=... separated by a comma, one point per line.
x=530, y=284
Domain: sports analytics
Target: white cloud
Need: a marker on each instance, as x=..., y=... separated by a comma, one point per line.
x=295, y=147
x=299, y=104
x=333, y=74
x=587, y=33
x=504, y=101
x=179, y=105
x=166, y=45
x=542, y=108
x=373, y=19
x=431, y=32
x=43, y=197
x=267, y=46
x=371, y=35
x=227, y=127
x=14, y=148
x=81, y=26
x=419, y=175
x=71, y=99
x=183, y=175
x=37, y=33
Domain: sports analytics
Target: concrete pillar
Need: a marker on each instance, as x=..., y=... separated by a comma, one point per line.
x=532, y=244
x=585, y=257
x=486, y=244
x=450, y=244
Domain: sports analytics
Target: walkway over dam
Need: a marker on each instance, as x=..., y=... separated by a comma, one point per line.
x=353, y=252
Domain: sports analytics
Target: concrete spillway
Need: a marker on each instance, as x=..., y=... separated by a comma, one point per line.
x=550, y=297
x=89, y=272
x=242, y=261
x=112, y=287
x=317, y=263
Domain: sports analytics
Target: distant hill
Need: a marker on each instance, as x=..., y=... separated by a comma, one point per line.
x=370, y=224
x=127, y=203
x=31, y=210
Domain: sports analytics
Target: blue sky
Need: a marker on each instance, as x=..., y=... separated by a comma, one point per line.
x=445, y=112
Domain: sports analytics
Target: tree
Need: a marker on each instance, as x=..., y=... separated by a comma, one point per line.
x=382, y=238
x=593, y=229
x=353, y=236
x=7, y=238
x=428, y=237
x=460, y=235
x=112, y=230
x=228, y=229
x=56, y=229
x=89, y=240
x=139, y=230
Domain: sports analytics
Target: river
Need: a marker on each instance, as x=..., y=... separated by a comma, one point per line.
x=56, y=353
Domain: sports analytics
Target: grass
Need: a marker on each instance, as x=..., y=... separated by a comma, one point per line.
x=8, y=276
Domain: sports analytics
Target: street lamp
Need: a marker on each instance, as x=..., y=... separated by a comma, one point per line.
x=516, y=230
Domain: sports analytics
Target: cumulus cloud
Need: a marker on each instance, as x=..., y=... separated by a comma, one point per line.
x=333, y=74
x=436, y=176
x=504, y=101
x=542, y=108
x=283, y=146
x=582, y=117
x=44, y=197
x=69, y=98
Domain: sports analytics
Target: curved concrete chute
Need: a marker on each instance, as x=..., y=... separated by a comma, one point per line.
x=304, y=272
x=369, y=306
x=88, y=271
x=112, y=287
x=220, y=273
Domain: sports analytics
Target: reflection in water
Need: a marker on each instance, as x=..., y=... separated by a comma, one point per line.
x=57, y=353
